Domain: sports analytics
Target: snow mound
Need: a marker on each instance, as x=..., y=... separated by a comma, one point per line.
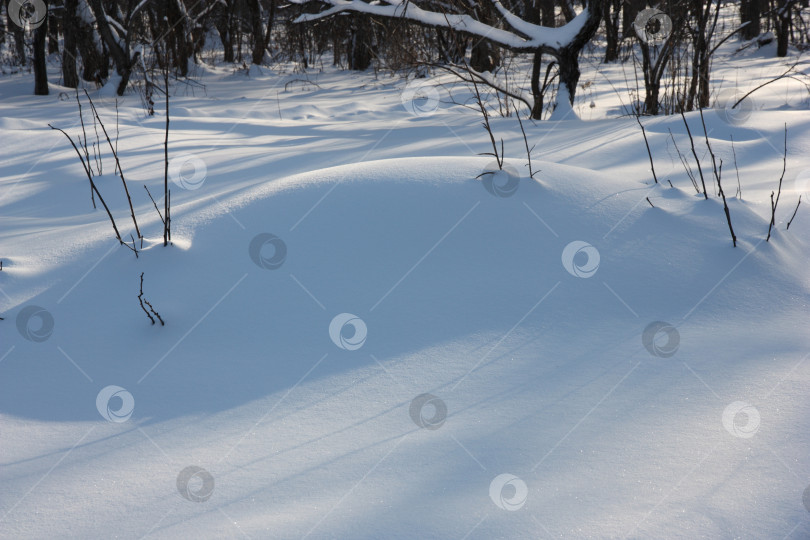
x=365, y=350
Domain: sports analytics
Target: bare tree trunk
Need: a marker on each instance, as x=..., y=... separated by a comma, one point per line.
x=359, y=43
x=652, y=79
x=179, y=36
x=40, y=67
x=568, y=10
x=95, y=62
x=630, y=10
x=451, y=46
x=222, y=22
x=611, y=10
x=53, y=34
x=255, y=8
x=568, y=57
x=19, y=39
x=750, y=13
x=537, y=93
x=70, y=28
x=547, y=13
x=532, y=11
x=119, y=54
x=701, y=61
x=484, y=56
x=784, y=15
x=271, y=19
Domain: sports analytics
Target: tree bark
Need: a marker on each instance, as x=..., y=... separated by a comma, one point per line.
x=568, y=57
x=611, y=11
x=257, y=56
x=53, y=34
x=484, y=56
x=749, y=13
x=70, y=26
x=95, y=62
x=630, y=10
x=222, y=22
x=19, y=39
x=359, y=44
x=537, y=92
x=783, y=20
x=40, y=66
x=119, y=53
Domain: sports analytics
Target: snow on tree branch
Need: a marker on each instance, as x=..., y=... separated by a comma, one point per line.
x=525, y=37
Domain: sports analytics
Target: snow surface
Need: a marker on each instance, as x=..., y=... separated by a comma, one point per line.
x=459, y=287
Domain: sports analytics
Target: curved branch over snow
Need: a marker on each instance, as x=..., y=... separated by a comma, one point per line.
x=563, y=43
x=526, y=36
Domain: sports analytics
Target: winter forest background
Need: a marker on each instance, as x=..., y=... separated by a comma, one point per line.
x=404, y=269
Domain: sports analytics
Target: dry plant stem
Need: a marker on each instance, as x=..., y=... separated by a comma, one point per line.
x=525, y=141
x=117, y=133
x=151, y=310
x=86, y=167
x=134, y=248
x=97, y=148
x=169, y=215
x=651, y=204
x=649, y=153
x=786, y=228
x=117, y=164
x=725, y=208
x=84, y=134
x=479, y=78
x=782, y=76
x=717, y=176
x=774, y=204
x=709, y=146
x=685, y=164
x=155, y=204
x=166, y=234
x=694, y=153
x=734, y=152
x=498, y=158
x=140, y=300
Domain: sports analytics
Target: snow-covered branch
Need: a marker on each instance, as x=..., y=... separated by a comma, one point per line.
x=524, y=37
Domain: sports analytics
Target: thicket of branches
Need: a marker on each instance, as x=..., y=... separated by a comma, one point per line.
x=122, y=42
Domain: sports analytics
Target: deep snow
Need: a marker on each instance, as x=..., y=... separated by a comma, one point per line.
x=361, y=340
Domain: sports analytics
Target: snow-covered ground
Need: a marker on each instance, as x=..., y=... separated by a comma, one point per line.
x=365, y=340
